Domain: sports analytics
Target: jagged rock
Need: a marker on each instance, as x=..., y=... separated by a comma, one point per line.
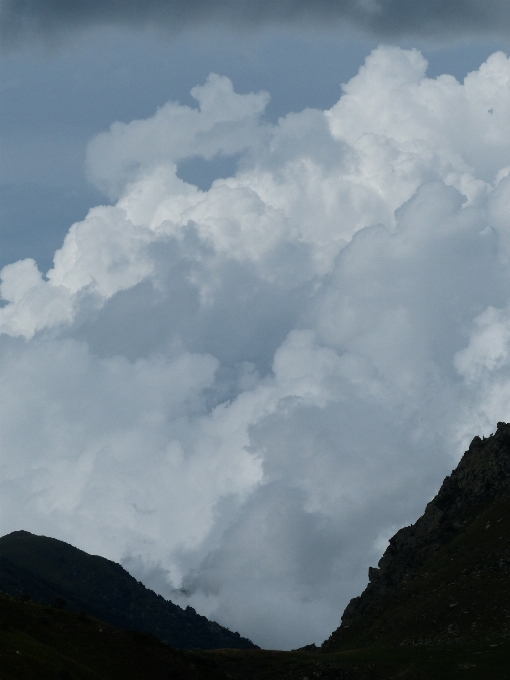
x=481, y=478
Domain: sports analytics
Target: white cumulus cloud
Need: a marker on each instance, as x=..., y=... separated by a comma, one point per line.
x=241, y=392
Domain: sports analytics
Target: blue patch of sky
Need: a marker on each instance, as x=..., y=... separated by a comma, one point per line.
x=54, y=100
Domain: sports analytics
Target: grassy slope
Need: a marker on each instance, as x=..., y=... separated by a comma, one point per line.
x=38, y=642
x=60, y=645
x=438, y=662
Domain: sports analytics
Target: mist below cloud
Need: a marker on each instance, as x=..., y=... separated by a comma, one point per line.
x=241, y=392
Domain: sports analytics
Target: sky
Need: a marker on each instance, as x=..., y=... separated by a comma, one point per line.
x=255, y=286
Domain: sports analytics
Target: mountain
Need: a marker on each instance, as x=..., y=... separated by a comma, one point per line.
x=436, y=608
x=38, y=642
x=446, y=578
x=56, y=573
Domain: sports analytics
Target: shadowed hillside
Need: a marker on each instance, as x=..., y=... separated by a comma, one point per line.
x=53, y=571
x=437, y=607
x=446, y=578
x=38, y=642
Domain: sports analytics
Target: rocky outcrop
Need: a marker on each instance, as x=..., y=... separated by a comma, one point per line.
x=482, y=476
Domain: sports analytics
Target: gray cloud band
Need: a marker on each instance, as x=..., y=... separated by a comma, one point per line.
x=394, y=19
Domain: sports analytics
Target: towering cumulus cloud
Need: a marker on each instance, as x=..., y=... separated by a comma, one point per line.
x=241, y=392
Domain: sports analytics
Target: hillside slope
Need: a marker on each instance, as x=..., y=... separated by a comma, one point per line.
x=446, y=578
x=49, y=569
x=38, y=642
x=438, y=606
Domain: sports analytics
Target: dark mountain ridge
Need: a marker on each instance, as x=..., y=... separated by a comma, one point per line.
x=437, y=607
x=54, y=572
x=446, y=577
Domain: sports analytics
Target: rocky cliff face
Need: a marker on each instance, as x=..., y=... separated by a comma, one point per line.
x=458, y=541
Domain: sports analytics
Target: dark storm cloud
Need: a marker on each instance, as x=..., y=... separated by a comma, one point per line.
x=385, y=18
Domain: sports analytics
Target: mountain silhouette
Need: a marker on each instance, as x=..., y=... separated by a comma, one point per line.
x=446, y=578
x=437, y=606
x=56, y=573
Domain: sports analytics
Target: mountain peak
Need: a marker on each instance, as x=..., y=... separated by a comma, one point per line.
x=53, y=571
x=452, y=534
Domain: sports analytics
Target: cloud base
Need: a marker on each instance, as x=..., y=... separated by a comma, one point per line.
x=385, y=19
